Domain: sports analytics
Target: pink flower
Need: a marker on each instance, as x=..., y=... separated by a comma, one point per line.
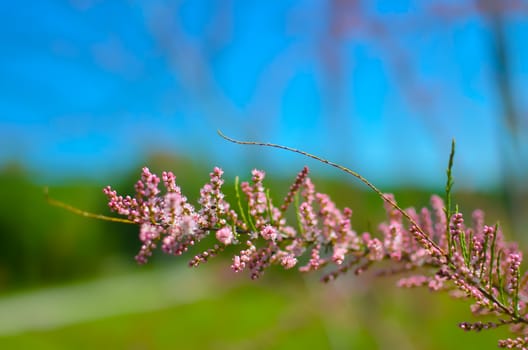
x=238, y=265
x=339, y=254
x=376, y=252
x=269, y=233
x=288, y=261
x=225, y=235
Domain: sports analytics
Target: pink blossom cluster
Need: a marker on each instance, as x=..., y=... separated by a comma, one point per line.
x=426, y=246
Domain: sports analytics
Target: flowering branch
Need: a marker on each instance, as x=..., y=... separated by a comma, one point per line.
x=471, y=261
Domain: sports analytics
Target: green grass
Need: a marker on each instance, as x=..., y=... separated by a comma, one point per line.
x=211, y=309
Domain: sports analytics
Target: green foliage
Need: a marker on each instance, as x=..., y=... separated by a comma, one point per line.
x=448, y=188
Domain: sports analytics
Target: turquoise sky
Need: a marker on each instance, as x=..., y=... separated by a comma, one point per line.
x=92, y=88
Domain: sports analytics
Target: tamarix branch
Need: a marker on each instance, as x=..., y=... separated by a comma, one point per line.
x=435, y=248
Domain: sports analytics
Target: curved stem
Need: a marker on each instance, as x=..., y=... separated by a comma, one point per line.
x=346, y=170
x=78, y=211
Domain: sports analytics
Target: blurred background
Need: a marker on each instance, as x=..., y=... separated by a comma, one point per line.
x=91, y=91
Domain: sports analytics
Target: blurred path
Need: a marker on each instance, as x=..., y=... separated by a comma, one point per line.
x=133, y=293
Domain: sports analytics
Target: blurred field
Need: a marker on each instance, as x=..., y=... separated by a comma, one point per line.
x=175, y=309
x=71, y=282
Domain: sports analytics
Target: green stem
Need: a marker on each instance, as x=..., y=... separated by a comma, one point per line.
x=239, y=201
x=449, y=186
x=80, y=212
x=268, y=200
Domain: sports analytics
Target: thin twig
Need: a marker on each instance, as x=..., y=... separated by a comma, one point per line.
x=346, y=170
x=80, y=212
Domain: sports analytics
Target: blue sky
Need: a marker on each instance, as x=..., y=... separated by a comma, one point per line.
x=92, y=88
